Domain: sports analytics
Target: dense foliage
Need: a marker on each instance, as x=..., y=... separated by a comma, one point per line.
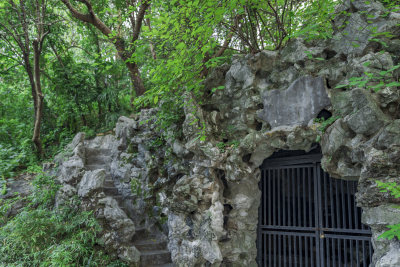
x=42, y=236
x=88, y=69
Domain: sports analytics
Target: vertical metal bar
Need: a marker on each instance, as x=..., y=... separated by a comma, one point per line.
x=364, y=253
x=334, y=254
x=274, y=197
x=264, y=249
x=289, y=195
x=270, y=196
x=343, y=207
x=312, y=250
x=328, y=254
x=319, y=218
x=295, y=249
x=326, y=210
x=351, y=253
x=358, y=253
x=295, y=213
x=304, y=197
x=301, y=239
x=289, y=209
x=274, y=251
x=298, y=183
x=270, y=249
x=331, y=203
x=345, y=252
x=284, y=183
x=306, y=249
x=290, y=250
x=284, y=250
x=279, y=250
x=340, y=253
x=338, y=224
x=279, y=195
x=264, y=195
x=259, y=231
x=311, y=199
x=350, y=210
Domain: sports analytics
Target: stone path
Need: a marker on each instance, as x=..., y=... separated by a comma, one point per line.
x=153, y=251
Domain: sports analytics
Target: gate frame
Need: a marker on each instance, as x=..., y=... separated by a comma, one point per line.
x=313, y=159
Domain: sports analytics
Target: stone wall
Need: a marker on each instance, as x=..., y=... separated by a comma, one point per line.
x=208, y=188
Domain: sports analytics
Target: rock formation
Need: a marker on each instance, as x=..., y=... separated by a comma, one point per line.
x=208, y=189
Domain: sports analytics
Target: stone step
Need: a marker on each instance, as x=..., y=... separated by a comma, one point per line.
x=155, y=257
x=150, y=244
x=142, y=234
x=92, y=167
x=109, y=183
x=100, y=159
x=92, y=152
x=110, y=191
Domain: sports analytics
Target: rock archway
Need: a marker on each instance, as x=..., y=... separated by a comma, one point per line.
x=209, y=187
x=269, y=103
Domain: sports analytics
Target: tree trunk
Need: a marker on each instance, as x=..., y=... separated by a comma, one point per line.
x=39, y=101
x=136, y=79
x=28, y=69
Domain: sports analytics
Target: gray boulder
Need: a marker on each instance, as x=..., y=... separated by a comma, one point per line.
x=300, y=103
x=91, y=182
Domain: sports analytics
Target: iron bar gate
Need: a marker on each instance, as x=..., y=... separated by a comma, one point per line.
x=307, y=219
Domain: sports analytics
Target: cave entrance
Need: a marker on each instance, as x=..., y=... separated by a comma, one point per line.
x=307, y=218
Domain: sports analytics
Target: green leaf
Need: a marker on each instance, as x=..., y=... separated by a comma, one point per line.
x=180, y=46
x=341, y=86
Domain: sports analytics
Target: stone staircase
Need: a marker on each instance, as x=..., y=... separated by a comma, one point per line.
x=153, y=249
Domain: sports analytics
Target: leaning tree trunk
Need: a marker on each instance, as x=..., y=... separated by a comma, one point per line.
x=137, y=81
x=39, y=101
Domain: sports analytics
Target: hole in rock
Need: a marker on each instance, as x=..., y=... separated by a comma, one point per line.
x=261, y=74
x=227, y=210
x=329, y=54
x=189, y=155
x=258, y=126
x=246, y=158
x=324, y=114
x=209, y=107
x=328, y=84
x=301, y=64
x=221, y=175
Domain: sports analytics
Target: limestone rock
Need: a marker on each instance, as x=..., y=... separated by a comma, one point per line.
x=300, y=103
x=92, y=181
x=117, y=219
x=367, y=120
x=129, y=254
x=209, y=187
x=391, y=258
x=71, y=170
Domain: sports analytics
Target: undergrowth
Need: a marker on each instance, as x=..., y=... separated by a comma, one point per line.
x=40, y=235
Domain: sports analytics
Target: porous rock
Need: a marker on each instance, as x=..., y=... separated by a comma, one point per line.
x=298, y=104
x=270, y=100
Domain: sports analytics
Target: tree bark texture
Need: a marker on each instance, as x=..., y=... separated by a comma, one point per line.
x=119, y=43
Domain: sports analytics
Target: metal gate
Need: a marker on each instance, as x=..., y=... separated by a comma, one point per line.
x=308, y=219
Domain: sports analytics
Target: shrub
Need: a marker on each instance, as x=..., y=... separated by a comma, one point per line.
x=42, y=236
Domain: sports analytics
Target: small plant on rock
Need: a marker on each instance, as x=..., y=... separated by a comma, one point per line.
x=394, y=189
